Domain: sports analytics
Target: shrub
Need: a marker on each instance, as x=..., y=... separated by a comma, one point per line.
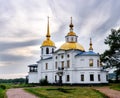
x=43, y=82
x=2, y=86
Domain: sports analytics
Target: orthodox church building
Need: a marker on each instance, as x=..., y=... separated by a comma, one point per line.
x=70, y=64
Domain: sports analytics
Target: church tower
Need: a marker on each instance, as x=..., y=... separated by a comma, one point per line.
x=71, y=36
x=48, y=46
x=71, y=40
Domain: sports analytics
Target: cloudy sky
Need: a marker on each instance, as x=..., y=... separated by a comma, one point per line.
x=23, y=28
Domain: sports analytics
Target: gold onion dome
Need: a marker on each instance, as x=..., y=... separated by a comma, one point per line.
x=72, y=45
x=48, y=41
x=69, y=46
x=71, y=34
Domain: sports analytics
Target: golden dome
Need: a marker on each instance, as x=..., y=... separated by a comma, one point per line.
x=48, y=42
x=71, y=34
x=75, y=45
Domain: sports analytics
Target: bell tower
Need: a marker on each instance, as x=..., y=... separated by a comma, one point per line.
x=48, y=46
x=71, y=36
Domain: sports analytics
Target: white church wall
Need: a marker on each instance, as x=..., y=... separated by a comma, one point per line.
x=43, y=68
x=104, y=77
x=33, y=77
x=74, y=72
x=83, y=61
x=50, y=76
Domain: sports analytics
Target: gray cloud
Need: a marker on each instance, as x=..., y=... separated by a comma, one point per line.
x=12, y=45
x=11, y=57
x=24, y=19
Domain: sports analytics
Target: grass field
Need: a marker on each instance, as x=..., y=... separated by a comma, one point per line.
x=2, y=93
x=65, y=92
x=115, y=86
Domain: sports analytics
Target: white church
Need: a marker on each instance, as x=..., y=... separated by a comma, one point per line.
x=71, y=63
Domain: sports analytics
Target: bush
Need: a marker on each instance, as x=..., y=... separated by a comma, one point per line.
x=2, y=86
x=43, y=82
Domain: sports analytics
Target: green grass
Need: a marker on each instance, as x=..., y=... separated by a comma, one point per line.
x=12, y=85
x=65, y=92
x=115, y=86
x=2, y=93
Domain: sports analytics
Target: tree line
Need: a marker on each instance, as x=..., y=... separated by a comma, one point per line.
x=17, y=80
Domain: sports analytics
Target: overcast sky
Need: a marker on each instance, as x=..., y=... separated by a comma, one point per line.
x=23, y=28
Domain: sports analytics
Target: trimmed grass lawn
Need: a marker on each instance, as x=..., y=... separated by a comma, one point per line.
x=115, y=86
x=65, y=92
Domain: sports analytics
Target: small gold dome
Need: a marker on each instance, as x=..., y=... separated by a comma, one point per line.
x=71, y=34
x=75, y=45
x=48, y=42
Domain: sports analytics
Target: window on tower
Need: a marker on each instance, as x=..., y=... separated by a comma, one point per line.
x=68, y=55
x=47, y=50
x=42, y=51
x=67, y=39
x=72, y=39
x=76, y=39
x=52, y=50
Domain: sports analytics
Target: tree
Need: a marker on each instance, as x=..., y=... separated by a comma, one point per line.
x=111, y=57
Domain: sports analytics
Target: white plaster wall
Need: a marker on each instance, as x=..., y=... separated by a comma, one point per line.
x=103, y=77
x=83, y=61
x=33, y=77
x=77, y=67
x=71, y=38
x=50, y=76
x=44, y=55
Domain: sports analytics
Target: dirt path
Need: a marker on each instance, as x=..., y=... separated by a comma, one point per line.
x=109, y=92
x=19, y=93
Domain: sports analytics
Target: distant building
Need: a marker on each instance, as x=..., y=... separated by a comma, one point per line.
x=77, y=65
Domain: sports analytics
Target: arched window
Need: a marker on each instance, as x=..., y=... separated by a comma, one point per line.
x=47, y=50
x=68, y=55
x=76, y=39
x=52, y=50
x=67, y=39
x=42, y=51
x=72, y=39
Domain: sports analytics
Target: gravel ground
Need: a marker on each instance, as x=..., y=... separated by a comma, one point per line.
x=19, y=93
x=109, y=92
